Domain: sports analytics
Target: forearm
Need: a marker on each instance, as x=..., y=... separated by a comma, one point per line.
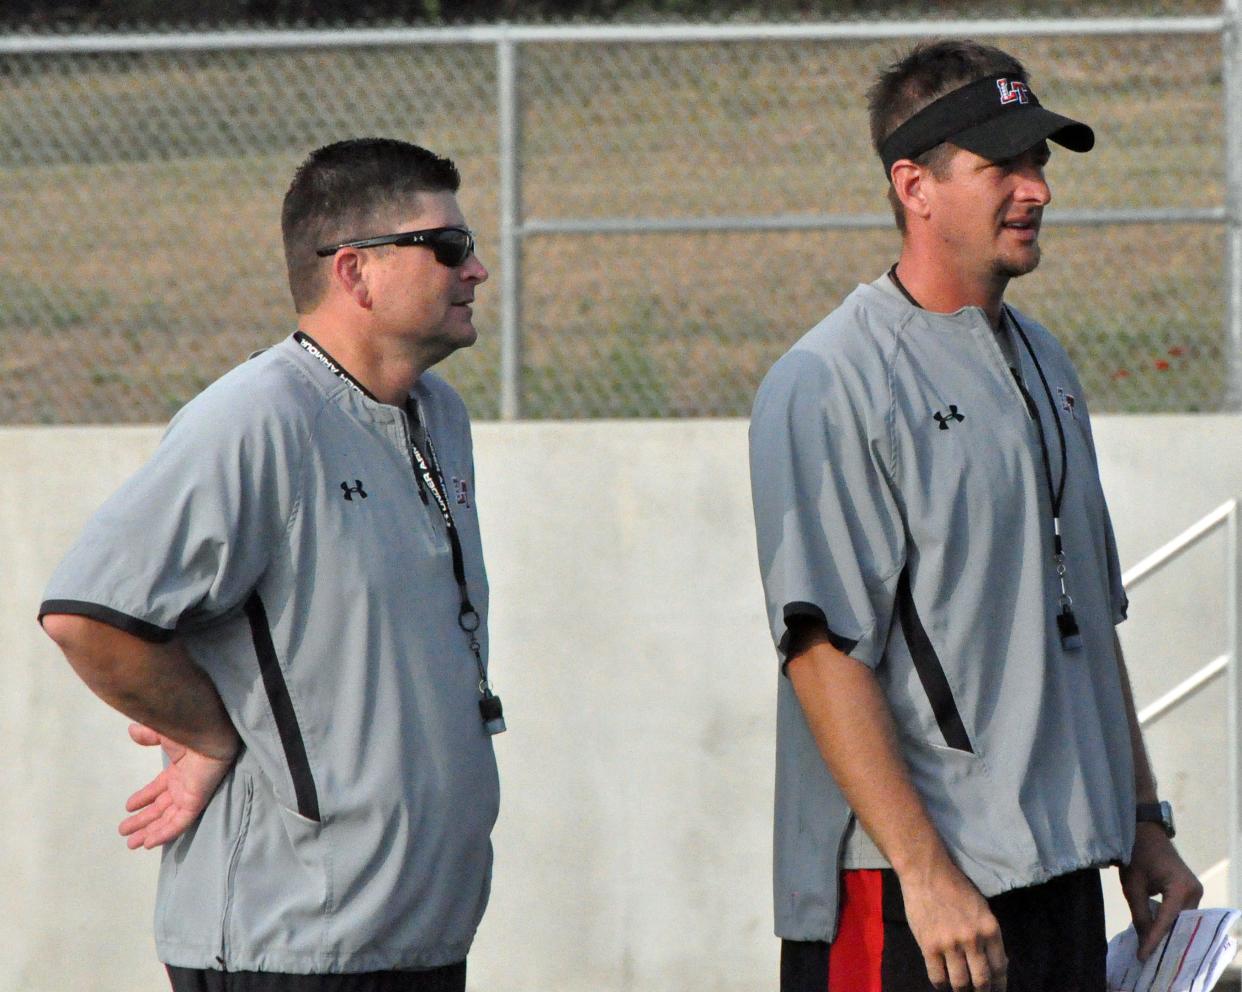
x=1144, y=778
x=158, y=685
x=854, y=730
x=853, y=726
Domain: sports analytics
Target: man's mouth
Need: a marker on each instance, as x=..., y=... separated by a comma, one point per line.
x=1023, y=224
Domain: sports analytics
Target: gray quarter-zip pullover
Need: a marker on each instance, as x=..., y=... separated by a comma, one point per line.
x=279, y=533
x=900, y=497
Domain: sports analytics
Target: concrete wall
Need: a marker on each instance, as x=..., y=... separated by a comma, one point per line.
x=629, y=645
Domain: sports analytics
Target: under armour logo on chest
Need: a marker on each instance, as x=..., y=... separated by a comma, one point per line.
x=943, y=419
x=350, y=491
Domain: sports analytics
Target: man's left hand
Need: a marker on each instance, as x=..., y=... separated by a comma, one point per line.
x=170, y=803
x=1156, y=868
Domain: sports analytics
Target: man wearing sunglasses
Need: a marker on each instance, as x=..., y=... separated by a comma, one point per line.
x=958, y=752
x=290, y=600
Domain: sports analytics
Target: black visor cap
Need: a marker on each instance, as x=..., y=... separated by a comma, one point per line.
x=996, y=117
x=1014, y=132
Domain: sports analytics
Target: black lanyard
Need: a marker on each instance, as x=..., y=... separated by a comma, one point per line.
x=429, y=477
x=1067, y=623
x=428, y=470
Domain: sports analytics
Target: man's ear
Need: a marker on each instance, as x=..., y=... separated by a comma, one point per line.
x=348, y=273
x=910, y=182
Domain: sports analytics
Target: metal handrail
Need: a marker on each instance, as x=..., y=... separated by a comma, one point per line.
x=1183, y=542
x=1228, y=664
x=1148, y=566
x=1184, y=689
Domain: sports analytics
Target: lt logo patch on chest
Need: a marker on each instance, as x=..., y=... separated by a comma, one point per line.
x=462, y=488
x=944, y=419
x=1067, y=403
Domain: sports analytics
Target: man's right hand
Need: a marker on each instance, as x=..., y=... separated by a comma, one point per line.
x=166, y=806
x=854, y=728
x=956, y=931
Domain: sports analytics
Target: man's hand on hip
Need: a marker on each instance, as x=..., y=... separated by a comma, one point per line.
x=165, y=807
x=956, y=931
x=175, y=705
x=1156, y=868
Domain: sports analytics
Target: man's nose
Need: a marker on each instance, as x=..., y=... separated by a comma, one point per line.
x=1034, y=188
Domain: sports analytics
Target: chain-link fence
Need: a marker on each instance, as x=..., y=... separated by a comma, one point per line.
x=664, y=210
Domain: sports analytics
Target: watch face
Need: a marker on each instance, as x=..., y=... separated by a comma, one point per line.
x=1166, y=817
x=1160, y=812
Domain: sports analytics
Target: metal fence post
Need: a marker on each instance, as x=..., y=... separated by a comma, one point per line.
x=1233, y=740
x=510, y=234
x=1231, y=53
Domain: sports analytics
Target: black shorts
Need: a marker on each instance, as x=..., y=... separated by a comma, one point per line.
x=1054, y=939
x=450, y=978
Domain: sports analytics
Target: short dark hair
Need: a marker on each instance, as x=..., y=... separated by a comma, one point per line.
x=927, y=72
x=340, y=191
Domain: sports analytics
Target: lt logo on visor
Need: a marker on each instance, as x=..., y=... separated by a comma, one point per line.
x=1015, y=92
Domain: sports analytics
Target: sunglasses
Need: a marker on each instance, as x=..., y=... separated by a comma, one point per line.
x=450, y=245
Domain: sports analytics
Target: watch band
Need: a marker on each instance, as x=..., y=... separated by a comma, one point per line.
x=1158, y=812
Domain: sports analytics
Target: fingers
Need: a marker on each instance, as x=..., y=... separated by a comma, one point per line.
x=978, y=967
x=1166, y=916
x=1140, y=913
x=1183, y=890
x=956, y=930
x=998, y=962
x=147, y=794
x=141, y=819
x=148, y=838
x=1193, y=896
x=168, y=828
x=141, y=734
x=1156, y=868
x=153, y=828
x=1182, y=893
x=170, y=803
x=158, y=835
x=959, y=971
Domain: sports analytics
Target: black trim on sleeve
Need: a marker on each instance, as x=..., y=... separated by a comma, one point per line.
x=930, y=670
x=282, y=709
x=798, y=609
x=113, y=618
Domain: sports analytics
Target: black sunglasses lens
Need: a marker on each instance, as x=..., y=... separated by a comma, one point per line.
x=451, y=247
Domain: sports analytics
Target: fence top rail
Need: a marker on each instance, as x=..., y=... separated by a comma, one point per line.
x=22, y=44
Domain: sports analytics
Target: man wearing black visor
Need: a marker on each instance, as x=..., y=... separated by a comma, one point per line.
x=957, y=747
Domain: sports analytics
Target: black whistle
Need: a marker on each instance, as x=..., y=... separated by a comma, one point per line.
x=493, y=714
x=1067, y=624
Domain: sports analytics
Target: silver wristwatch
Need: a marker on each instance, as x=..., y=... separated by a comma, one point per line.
x=1161, y=813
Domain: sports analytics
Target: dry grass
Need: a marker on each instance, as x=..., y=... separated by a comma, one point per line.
x=139, y=244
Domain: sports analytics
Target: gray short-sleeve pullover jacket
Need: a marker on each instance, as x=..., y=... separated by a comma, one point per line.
x=279, y=532
x=900, y=496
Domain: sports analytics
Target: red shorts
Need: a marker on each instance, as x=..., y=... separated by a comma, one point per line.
x=1054, y=939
